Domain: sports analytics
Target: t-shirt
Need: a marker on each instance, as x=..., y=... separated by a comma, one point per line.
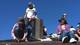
x=30, y=12
x=72, y=29
x=66, y=28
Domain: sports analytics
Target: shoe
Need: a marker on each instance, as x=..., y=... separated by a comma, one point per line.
x=63, y=39
x=72, y=40
x=47, y=39
x=26, y=40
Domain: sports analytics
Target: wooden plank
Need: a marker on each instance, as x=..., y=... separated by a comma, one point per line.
x=37, y=43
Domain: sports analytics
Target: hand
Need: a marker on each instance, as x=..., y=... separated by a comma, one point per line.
x=79, y=38
x=25, y=34
x=59, y=33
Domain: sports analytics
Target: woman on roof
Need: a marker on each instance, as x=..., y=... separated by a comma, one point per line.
x=63, y=30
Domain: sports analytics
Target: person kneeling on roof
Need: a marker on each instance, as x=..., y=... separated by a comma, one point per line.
x=18, y=31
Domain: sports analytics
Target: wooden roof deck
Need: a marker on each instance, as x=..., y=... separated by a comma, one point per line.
x=10, y=42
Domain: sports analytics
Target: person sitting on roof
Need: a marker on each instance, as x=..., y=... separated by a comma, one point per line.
x=44, y=32
x=30, y=17
x=30, y=12
x=72, y=29
x=63, y=30
x=77, y=34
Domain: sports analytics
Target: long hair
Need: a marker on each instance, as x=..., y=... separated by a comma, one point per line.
x=22, y=24
x=60, y=20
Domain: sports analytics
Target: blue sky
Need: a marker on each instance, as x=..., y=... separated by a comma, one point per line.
x=48, y=10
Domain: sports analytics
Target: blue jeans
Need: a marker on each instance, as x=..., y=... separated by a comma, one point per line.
x=30, y=26
x=69, y=34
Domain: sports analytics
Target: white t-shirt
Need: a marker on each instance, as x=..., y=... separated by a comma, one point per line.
x=72, y=29
x=30, y=13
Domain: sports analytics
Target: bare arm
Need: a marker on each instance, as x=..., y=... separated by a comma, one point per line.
x=25, y=34
x=13, y=31
x=25, y=16
x=78, y=32
x=77, y=36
